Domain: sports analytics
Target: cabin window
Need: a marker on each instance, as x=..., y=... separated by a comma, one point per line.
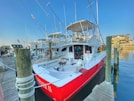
x=88, y=49
x=17, y=46
x=78, y=51
x=70, y=49
x=64, y=49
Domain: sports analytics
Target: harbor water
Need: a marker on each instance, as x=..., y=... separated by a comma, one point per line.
x=125, y=85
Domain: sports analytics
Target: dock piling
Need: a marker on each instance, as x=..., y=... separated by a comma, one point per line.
x=50, y=50
x=24, y=77
x=36, y=49
x=116, y=58
x=116, y=70
x=108, y=59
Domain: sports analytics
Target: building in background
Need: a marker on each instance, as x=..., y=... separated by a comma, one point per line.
x=122, y=42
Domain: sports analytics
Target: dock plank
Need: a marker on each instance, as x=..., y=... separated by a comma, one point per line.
x=8, y=80
x=101, y=92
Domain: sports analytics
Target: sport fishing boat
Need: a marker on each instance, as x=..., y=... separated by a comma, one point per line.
x=40, y=50
x=63, y=77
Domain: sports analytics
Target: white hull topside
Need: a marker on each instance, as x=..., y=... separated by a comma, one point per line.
x=48, y=72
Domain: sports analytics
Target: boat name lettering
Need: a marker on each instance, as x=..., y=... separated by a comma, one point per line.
x=48, y=88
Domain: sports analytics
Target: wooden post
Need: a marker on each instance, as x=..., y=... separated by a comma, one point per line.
x=116, y=64
x=118, y=59
x=24, y=80
x=116, y=70
x=115, y=85
x=50, y=50
x=115, y=58
x=108, y=59
x=36, y=50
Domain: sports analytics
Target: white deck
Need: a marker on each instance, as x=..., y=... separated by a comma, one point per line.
x=47, y=70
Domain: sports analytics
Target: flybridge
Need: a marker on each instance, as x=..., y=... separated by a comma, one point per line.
x=80, y=26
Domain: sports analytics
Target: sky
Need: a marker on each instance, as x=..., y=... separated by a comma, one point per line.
x=24, y=21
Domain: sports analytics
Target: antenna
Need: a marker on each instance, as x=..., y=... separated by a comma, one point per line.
x=65, y=15
x=60, y=22
x=48, y=5
x=41, y=8
x=98, y=29
x=96, y=17
x=46, y=29
x=97, y=12
x=90, y=6
x=55, y=24
x=75, y=11
x=65, y=19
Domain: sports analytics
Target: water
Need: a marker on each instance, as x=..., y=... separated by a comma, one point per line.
x=125, y=85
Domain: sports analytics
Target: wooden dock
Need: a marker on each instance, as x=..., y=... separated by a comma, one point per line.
x=101, y=92
x=7, y=80
x=104, y=91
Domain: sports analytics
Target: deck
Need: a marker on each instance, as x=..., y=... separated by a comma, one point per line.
x=101, y=92
x=7, y=80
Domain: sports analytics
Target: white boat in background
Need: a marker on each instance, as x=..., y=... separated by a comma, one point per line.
x=15, y=46
x=9, y=50
x=40, y=50
x=80, y=61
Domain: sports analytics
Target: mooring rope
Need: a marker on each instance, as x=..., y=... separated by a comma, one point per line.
x=25, y=83
x=6, y=66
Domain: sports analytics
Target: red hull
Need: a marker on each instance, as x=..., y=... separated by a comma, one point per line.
x=71, y=88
